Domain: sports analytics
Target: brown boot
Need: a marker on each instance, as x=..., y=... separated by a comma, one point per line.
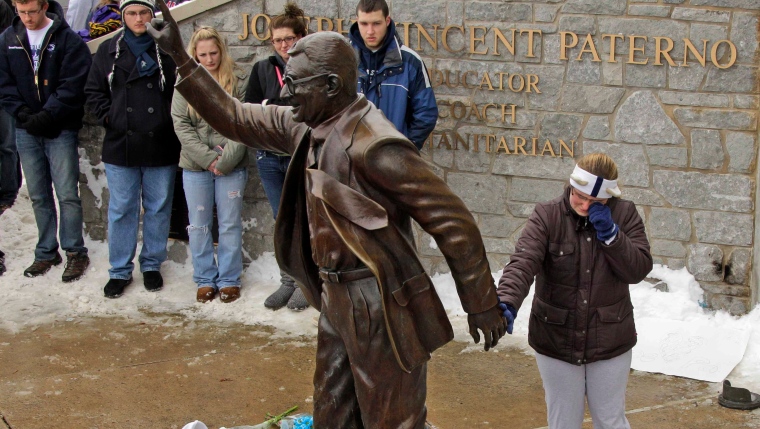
x=76, y=265
x=205, y=294
x=229, y=294
x=39, y=268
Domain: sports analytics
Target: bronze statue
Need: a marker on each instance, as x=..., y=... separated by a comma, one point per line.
x=357, y=183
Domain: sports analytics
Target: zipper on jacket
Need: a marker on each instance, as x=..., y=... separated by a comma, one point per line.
x=31, y=63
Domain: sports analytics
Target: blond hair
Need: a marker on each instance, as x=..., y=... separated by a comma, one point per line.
x=600, y=165
x=226, y=72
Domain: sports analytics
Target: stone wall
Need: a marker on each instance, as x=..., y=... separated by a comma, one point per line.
x=685, y=137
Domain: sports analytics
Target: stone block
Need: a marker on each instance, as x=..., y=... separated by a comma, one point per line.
x=734, y=4
x=711, y=32
x=550, y=84
x=645, y=76
x=612, y=73
x=704, y=15
x=706, y=149
x=738, y=78
x=670, y=249
x=725, y=289
x=686, y=78
x=580, y=25
x=694, y=99
x=744, y=30
x=642, y=197
x=633, y=168
x=716, y=119
x=670, y=224
x=675, y=263
x=641, y=119
x=595, y=7
x=545, y=12
x=485, y=11
x=551, y=51
x=742, y=150
x=556, y=126
x=674, y=1
x=742, y=101
x=723, y=192
x=521, y=210
x=674, y=30
x=256, y=244
x=178, y=251
x=585, y=71
x=667, y=156
x=530, y=166
x=739, y=266
x=590, y=99
x=534, y=191
x=498, y=226
x=597, y=128
x=648, y=10
x=705, y=262
x=723, y=228
x=498, y=245
x=736, y=306
x=418, y=12
x=481, y=194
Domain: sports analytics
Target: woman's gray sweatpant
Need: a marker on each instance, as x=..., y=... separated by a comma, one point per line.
x=603, y=383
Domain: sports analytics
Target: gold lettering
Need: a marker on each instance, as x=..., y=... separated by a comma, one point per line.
x=632, y=49
x=591, y=49
x=464, y=79
x=474, y=111
x=440, y=111
x=548, y=146
x=533, y=145
x=513, y=112
x=321, y=21
x=474, y=38
x=613, y=40
x=254, y=26
x=570, y=150
x=459, y=139
x=533, y=83
x=462, y=108
x=501, y=80
x=406, y=32
x=688, y=46
x=564, y=46
x=732, y=55
x=489, y=138
x=485, y=110
x=245, y=28
x=476, y=142
x=422, y=32
x=510, y=82
x=445, y=37
x=520, y=144
x=530, y=40
x=498, y=35
x=339, y=27
x=447, y=81
x=486, y=80
x=444, y=140
x=436, y=77
x=659, y=52
x=503, y=145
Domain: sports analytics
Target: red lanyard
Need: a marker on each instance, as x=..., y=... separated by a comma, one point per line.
x=279, y=75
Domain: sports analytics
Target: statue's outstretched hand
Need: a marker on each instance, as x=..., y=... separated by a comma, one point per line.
x=491, y=323
x=165, y=32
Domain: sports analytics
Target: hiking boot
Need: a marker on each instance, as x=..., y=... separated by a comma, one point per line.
x=2, y=262
x=229, y=294
x=153, y=281
x=297, y=301
x=39, y=268
x=205, y=294
x=280, y=297
x=76, y=265
x=115, y=287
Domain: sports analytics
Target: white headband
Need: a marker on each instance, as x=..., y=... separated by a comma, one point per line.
x=596, y=187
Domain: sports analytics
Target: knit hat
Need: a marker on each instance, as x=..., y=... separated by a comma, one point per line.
x=595, y=186
x=150, y=4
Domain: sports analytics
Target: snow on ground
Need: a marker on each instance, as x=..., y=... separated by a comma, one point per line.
x=29, y=302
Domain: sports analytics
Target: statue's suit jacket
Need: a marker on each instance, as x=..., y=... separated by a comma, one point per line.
x=372, y=182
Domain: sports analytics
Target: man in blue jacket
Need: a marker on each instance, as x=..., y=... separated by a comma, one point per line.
x=43, y=69
x=391, y=75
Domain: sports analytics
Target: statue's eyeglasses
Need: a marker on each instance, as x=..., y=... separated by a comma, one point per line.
x=290, y=84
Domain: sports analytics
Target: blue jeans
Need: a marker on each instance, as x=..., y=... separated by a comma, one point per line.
x=154, y=186
x=10, y=173
x=272, y=169
x=202, y=190
x=48, y=163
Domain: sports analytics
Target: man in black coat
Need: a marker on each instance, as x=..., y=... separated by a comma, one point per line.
x=43, y=68
x=10, y=168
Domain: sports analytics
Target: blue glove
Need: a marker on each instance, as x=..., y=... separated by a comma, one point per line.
x=601, y=217
x=509, y=313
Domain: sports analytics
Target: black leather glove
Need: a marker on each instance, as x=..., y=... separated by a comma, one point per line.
x=41, y=124
x=23, y=114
